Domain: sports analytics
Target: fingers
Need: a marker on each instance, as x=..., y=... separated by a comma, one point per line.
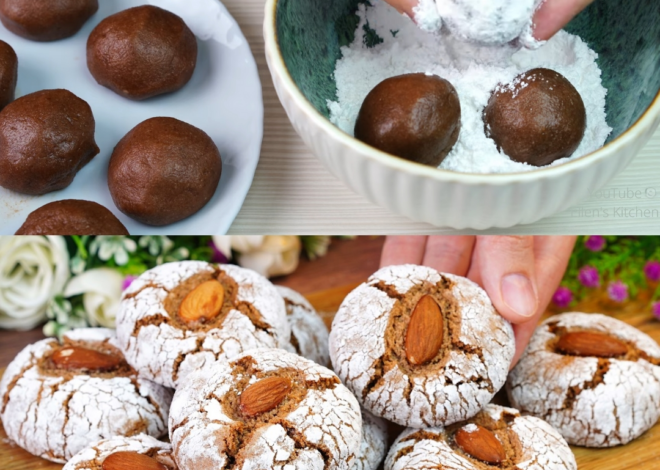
x=404, y=6
x=449, y=254
x=553, y=15
x=552, y=255
x=504, y=266
x=403, y=250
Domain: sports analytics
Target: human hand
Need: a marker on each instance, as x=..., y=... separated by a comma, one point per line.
x=551, y=16
x=520, y=274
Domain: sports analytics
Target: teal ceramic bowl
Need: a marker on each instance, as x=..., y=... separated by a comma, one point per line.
x=303, y=41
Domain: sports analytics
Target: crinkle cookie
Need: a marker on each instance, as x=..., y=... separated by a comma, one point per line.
x=497, y=437
x=419, y=347
x=309, y=335
x=141, y=452
x=374, y=442
x=59, y=398
x=594, y=378
x=178, y=317
x=267, y=408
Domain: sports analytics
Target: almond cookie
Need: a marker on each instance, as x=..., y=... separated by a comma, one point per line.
x=267, y=408
x=497, y=437
x=59, y=398
x=309, y=335
x=141, y=452
x=419, y=347
x=594, y=378
x=178, y=317
x=374, y=442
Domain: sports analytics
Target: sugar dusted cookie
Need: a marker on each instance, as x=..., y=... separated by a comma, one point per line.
x=374, y=442
x=497, y=437
x=421, y=348
x=267, y=408
x=309, y=335
x=181, y=316
x=56, y=399
x=141, y=452
x=594, y=378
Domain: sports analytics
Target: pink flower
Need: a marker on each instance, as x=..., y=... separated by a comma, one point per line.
x=128, y=280
x=618, y=291
x=652, y=271
x=595, y=243
x=655, y=308
x=589, y=277
x=563, y=297
x=218, y=256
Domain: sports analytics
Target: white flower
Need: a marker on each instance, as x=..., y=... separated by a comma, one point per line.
x=101, y=290
x=268, y=255
x=32, y=271
x=109, y=246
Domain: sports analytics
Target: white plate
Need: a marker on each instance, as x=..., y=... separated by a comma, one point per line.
x=223, y=98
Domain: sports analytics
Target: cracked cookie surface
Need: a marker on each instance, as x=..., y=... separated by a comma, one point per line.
x=369, y=347
x=309, y=335
x=54, y=412
x=374, y=442
x=592, y=401
x=312, y=424
x=92, y=457
x=527, y=443
x=164, y=348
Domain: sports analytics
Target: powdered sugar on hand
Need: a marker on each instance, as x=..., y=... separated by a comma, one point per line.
x=474, y=70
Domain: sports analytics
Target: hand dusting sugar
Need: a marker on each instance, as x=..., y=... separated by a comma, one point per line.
x=482, y=21
x=474, y=70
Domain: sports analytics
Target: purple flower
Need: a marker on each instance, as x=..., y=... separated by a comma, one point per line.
x=128, y=280
x=563, y=297
x=652, y=271
x=218, y=256
x=655, y=308
x=589, y=277
x=618, y=291
x=595, y=243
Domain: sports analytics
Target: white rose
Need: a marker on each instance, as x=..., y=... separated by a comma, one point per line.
x=101, y=290
x=268, y=255
x=32, y=271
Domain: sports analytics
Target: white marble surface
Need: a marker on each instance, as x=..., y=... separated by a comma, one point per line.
x=293, y=192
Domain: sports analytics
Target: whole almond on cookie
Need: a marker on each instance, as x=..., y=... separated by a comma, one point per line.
x=77, y=357
x=203, y=303
x=586, y=343
x=131, y=461
x=425, y=332
x=480, y=443
x=264, y=395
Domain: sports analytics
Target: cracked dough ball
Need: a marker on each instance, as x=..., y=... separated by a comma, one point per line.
x=421, y=367
x=142, y=52
x=54, y=410
x=92, y=457
x=374, y=442
x=46, y=20
x=267, y=408
x=309, y=335
x=524, y=442
x=599, y=400
x=165, y=346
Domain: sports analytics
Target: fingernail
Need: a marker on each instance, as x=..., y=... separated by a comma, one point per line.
x=519, y=294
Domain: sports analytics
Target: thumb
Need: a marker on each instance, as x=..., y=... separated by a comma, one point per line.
x=553, y=15
x=404, y=6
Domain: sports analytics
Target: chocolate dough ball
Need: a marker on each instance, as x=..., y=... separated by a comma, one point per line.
x=413, y=116
x=537, y=119
x=72, y=217
x=8, y=74
x=142, y=52
x=46, y=20
x=163, y=170
x=45, y=139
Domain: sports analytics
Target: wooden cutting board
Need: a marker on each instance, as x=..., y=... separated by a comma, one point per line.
x=643, y=453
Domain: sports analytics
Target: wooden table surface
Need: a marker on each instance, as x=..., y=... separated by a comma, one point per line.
x=292, y=191
x=325, y=283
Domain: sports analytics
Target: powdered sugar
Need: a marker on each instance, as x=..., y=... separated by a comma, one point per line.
x=474, y=70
